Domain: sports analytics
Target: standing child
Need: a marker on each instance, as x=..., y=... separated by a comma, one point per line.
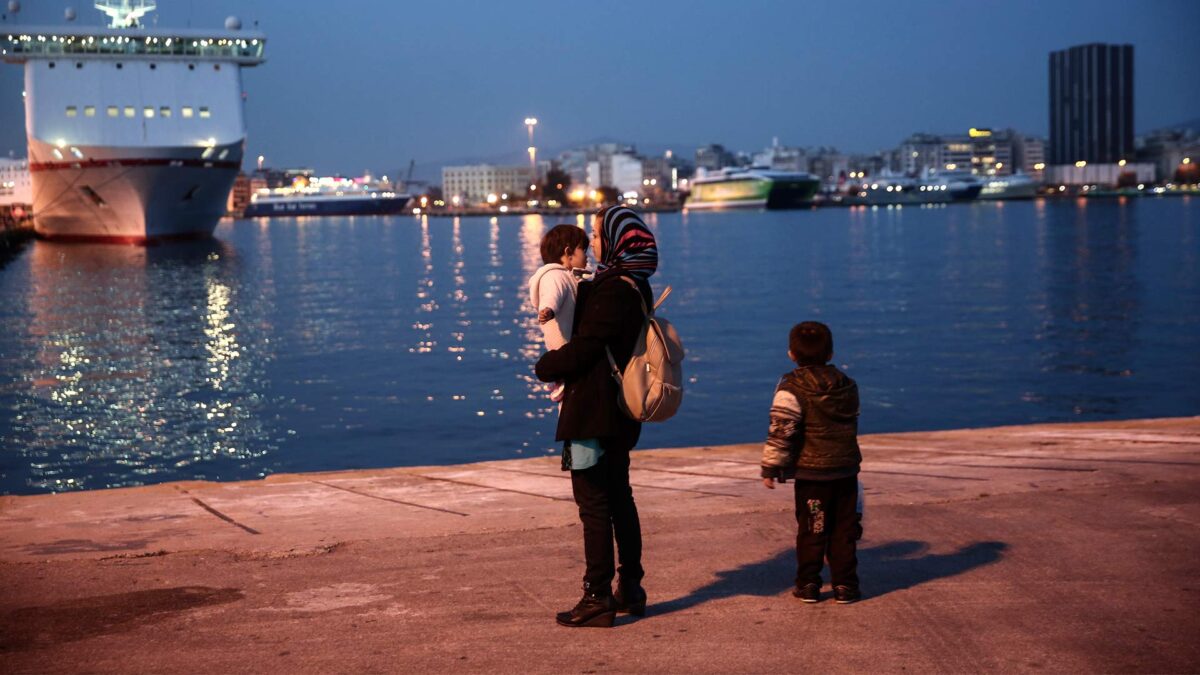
x=813, y=438
x=553, y=287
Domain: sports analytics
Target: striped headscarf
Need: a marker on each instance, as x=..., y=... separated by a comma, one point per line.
x=627, y=244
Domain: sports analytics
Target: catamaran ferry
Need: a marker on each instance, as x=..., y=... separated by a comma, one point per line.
x=754, y=188
x=135, y=134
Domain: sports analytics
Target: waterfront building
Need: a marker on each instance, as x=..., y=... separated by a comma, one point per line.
x=1029, y=155
x=16, y=187
x=981, y=151
x=472, y=184
x=1174, y=153
x=1091, y=104
x=244, y=188
x=829, y=165
x=592, y=166
x=713, y=157
x=782, y=158
x=1081, y=174
x=625, y=173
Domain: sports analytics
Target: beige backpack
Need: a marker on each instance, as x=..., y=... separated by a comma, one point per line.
x=652, y=384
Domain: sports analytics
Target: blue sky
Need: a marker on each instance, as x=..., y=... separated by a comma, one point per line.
x=357, y=85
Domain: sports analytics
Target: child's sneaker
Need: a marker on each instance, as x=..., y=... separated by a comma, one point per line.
x=558, y=391
x=809, y=593
x=844, y=595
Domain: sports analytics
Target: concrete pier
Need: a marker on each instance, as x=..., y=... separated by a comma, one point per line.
x=1059, y=547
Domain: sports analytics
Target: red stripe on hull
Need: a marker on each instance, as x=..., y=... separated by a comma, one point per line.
x=122, y=239
x=106, y=163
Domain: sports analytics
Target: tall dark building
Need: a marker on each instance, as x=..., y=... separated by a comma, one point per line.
x=1091, y=104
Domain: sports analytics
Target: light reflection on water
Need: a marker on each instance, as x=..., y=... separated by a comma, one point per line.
x=136, y=368
x=315, y=344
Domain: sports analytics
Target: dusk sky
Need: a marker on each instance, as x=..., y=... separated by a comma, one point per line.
x=350, y=86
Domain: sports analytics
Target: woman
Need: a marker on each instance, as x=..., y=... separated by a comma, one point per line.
x=597, y=435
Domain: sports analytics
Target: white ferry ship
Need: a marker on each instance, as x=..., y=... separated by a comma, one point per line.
x=135, y=134
x=328, y=196
x=932, y=188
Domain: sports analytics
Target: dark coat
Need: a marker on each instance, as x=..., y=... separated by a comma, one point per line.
x=829, y=401
x=607, y=313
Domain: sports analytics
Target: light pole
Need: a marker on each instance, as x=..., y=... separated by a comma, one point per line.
x=530, y=123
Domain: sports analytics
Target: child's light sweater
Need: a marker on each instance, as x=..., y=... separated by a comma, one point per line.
x=554, y=287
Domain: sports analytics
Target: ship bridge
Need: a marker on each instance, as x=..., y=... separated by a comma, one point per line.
x=242, y=47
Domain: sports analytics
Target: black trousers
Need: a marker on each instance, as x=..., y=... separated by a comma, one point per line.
x=607, y=511
x=827, y=517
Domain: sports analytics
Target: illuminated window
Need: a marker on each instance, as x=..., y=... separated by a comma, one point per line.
x=165, y=111
x=89, y=111
x=187, y=111
x=204, y=112
x=129, y=111
x=112, y=111
x=72, y=111
x=148, y=111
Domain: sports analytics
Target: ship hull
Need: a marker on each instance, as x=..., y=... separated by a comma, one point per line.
x=328, y=207
x=111, y=195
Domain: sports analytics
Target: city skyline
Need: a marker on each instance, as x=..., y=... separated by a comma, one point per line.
x=452, y=85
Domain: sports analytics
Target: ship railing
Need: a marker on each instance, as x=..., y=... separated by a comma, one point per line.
x=19, y=46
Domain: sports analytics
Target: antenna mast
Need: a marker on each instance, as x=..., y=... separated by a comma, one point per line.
x=125, y=13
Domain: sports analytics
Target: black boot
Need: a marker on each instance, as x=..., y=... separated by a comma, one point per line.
x=595, y=609
x=630, y=599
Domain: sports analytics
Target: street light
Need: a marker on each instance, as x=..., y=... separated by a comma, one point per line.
x=530, y=123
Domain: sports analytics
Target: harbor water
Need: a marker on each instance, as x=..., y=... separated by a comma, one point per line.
x=339, y=343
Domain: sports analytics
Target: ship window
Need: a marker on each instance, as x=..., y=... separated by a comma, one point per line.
x=153, y=66
x=112, y=111
x=120, y=66
x=216, y=66
x=208, y=152
x=165, y=111
x=72, y=111
x=89, y=111
x=57, y=153
x=224, y=154
x=78, y=65
x=204, y=112
x=51, y=64
x=129, y=111
x=148, y=111
x=191, y=66
x=187, y=111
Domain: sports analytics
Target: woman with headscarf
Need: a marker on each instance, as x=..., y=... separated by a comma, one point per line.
x=597, y=435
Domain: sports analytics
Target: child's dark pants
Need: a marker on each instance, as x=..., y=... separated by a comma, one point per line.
x=827, y=519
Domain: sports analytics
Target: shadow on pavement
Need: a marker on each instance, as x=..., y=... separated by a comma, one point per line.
x=34, y=627
x=884, y=568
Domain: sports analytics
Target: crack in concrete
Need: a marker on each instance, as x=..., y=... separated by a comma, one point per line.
x=389, y=499
x=217, y=513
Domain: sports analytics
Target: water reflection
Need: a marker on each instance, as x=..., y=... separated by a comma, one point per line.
x=138, y=368
x=316, y=344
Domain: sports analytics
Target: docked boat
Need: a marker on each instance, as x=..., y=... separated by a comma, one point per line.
x=328, y=197
x=932, y=188
x=135, y=134
x=752, y=188
x=1016, y=186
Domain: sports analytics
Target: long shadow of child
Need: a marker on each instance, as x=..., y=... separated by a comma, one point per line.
x=888, y=567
